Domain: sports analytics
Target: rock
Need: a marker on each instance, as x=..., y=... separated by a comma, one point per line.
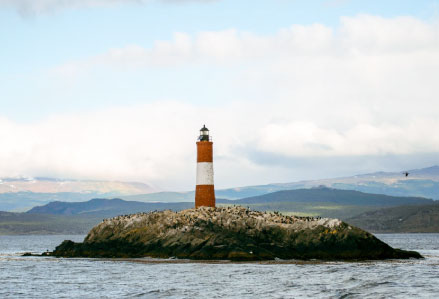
x=228, y=234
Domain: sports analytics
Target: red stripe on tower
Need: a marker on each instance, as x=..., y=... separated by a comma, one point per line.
x=204, y=191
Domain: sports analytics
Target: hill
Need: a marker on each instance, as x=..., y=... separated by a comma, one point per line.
x=325, y=202
x=29, y=224
x=417, y=219
x=105, y=207
x=330, y=195
x=23, y=201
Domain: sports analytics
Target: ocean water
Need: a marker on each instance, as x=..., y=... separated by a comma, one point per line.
x=47, y=277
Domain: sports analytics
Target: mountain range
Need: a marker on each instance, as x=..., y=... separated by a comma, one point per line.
x=321, y=201
x=79, y=217
x=103, y=207
x=23, y=193
x=55, y=185
x=325, y=202
x=419, y=182
x=20, y=194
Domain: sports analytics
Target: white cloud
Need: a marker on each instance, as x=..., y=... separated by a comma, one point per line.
x=305, y=139
x=369, y=69
x=357, y=39
x=221, y=47
x=155, y=143
x=130, y=143
x=366, y=89
x=44, y=6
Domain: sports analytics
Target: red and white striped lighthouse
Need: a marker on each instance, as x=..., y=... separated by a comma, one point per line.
x=204, y=191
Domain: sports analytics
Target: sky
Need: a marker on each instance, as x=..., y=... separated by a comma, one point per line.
x=290, y=90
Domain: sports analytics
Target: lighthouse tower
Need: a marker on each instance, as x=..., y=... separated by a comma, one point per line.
x=204, y=191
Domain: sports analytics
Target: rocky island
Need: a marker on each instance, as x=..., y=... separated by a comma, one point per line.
x=229, y=233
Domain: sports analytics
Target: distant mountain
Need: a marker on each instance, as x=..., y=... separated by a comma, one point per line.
x=316, y=201
x=402, y=219
x=27, y=224
x=329, y=195
x=23, y=201
x=232, y=193
x=323, y=201
x=105, y=207
x=22, y=193
x=163, y=197
x=55, y=185
x=420, y=182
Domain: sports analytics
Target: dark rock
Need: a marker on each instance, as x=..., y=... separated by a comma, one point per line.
x=229, y=234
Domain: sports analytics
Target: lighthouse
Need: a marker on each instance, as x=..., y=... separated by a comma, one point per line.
x=204, y=191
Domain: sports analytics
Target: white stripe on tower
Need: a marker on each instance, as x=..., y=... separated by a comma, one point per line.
x=204, y=173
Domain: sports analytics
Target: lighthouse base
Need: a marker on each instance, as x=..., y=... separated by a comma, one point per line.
x=204, y=196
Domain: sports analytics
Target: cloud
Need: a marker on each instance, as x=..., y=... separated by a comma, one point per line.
x=220, y=47
x=359, y=94
x=357, y=38
x=368, y=70
x=155, y=143
x=305, y=139
x=31, y=7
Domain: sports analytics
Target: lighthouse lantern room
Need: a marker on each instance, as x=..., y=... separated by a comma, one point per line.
x=204, y=134
x=204, y=191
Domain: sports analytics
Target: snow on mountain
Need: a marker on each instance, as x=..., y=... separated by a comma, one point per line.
x=56, y=185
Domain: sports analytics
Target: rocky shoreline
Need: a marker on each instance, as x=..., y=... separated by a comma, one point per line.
x=232, y=233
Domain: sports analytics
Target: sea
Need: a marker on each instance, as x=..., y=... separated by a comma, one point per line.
x=48, y=277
